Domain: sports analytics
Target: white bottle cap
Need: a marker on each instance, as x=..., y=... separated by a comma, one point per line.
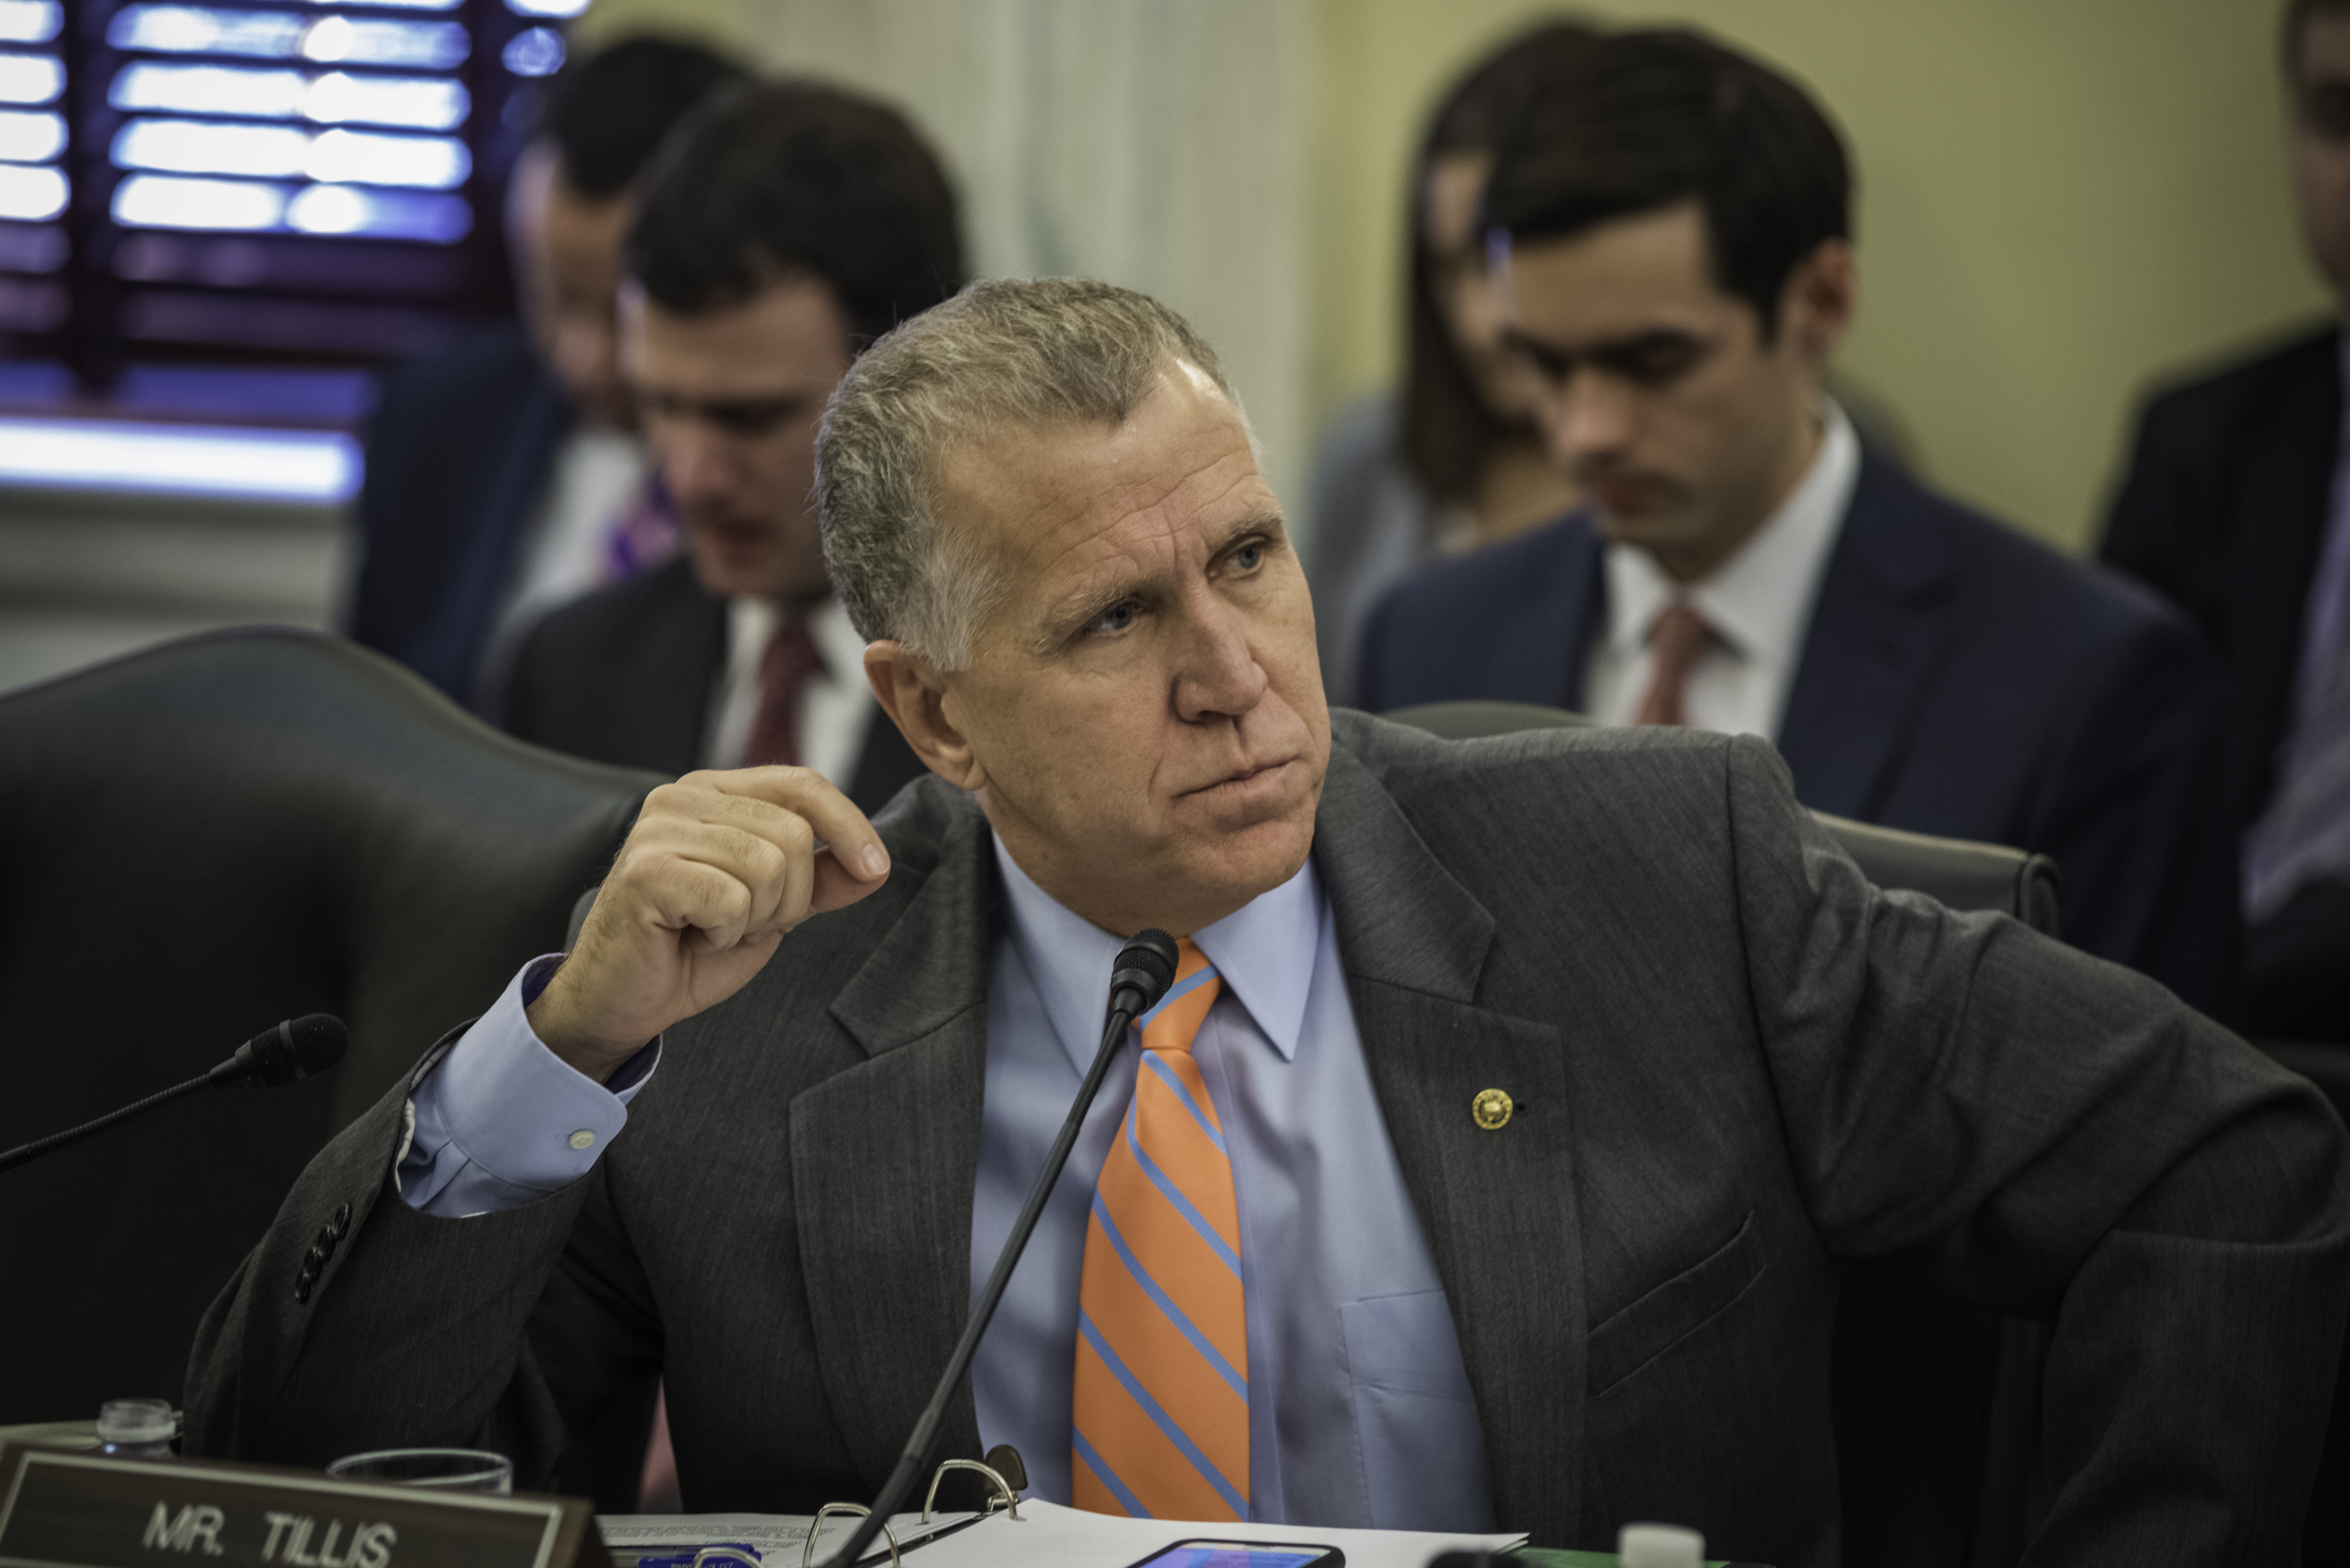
x=135, y=1421
x=1660, y=1546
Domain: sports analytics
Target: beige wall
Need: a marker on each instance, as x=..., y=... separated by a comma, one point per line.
x=2057, y=200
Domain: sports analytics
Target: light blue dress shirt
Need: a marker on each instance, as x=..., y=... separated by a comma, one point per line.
x=1360, y=1408
x=503, y=1121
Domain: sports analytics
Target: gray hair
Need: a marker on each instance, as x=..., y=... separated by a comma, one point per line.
x=1021, y=353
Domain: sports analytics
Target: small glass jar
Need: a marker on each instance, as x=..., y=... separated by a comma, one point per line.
x=136, y=1430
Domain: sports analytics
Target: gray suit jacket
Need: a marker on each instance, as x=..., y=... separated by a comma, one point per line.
x=1733, y=1062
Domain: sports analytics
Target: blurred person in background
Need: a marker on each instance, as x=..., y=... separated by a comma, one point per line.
x=1451, y=459
x=504, y=474
x=1670, y=235
x=785, y=227
x=2237, y=508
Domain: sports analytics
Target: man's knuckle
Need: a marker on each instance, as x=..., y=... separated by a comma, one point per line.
x=637, y=865
x=767, y=860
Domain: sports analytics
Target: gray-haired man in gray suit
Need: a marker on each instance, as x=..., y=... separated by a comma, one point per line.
x=1548, y=1078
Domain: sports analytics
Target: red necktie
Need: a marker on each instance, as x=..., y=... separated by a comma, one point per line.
x=784, y=670
x=1677, y=638
x=1161, y=1413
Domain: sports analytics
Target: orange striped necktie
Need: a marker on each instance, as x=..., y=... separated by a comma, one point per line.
x=1160, y=1413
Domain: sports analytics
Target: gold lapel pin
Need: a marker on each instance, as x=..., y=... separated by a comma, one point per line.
x=1493, y=1108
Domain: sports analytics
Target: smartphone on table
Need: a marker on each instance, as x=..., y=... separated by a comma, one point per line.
x=1242, y=1554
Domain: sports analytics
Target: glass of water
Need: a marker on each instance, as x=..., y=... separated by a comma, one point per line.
x=442, y=1469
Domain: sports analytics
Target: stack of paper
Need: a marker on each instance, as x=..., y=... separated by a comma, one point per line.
x=780, y=1537
x=1043, y=1533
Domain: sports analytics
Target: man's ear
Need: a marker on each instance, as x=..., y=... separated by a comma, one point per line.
x=914, y=696
x=1817, y=304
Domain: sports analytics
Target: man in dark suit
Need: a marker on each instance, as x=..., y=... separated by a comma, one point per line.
x=1487, y=1166
x=782, y=232
x=1676, y=275
x=504, y=474
x=2235, y=509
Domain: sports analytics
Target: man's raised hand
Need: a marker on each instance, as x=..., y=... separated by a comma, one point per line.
x=718, y=869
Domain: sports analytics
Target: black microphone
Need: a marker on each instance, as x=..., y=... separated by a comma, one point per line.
x=1145, y=968
x=296, y=1049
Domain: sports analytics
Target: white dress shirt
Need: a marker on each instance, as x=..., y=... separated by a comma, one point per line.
x=836, y=705
x=1759, y=605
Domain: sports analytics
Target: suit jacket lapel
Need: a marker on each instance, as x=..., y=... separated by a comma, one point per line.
x=1541, y=658
x=885, y=1154
x=1498, y=1207
x=1532, y=636
x=681, y=667
x=885, y=1158
x=655, y=687
x=1583, y=590
x=1876, y=632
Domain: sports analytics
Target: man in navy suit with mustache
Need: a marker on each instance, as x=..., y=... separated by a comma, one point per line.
x=1671, y=236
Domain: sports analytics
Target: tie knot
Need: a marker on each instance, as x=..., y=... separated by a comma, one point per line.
x=1678, y=638
x=1678, y=634
x=791, y=654
x=1175, y=1023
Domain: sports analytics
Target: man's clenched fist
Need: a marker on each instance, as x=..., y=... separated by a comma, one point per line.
x=718, y=868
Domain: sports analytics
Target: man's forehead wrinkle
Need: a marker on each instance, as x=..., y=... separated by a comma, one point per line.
x=1101, y=559
x=1047, y=502
x=1161, y=517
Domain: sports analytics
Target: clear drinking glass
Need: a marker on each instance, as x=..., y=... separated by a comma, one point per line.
x=442, y=1469
x=137, y=1429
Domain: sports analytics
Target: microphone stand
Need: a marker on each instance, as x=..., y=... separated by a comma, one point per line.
x=32, y=1151
x=296, y=1049
x=1130, y=999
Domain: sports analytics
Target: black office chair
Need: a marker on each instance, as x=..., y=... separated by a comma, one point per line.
x=195, y=842
x=1936, y=1401
x=1952, y=871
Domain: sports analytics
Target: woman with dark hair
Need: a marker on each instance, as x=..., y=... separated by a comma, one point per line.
x=1452, y=461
